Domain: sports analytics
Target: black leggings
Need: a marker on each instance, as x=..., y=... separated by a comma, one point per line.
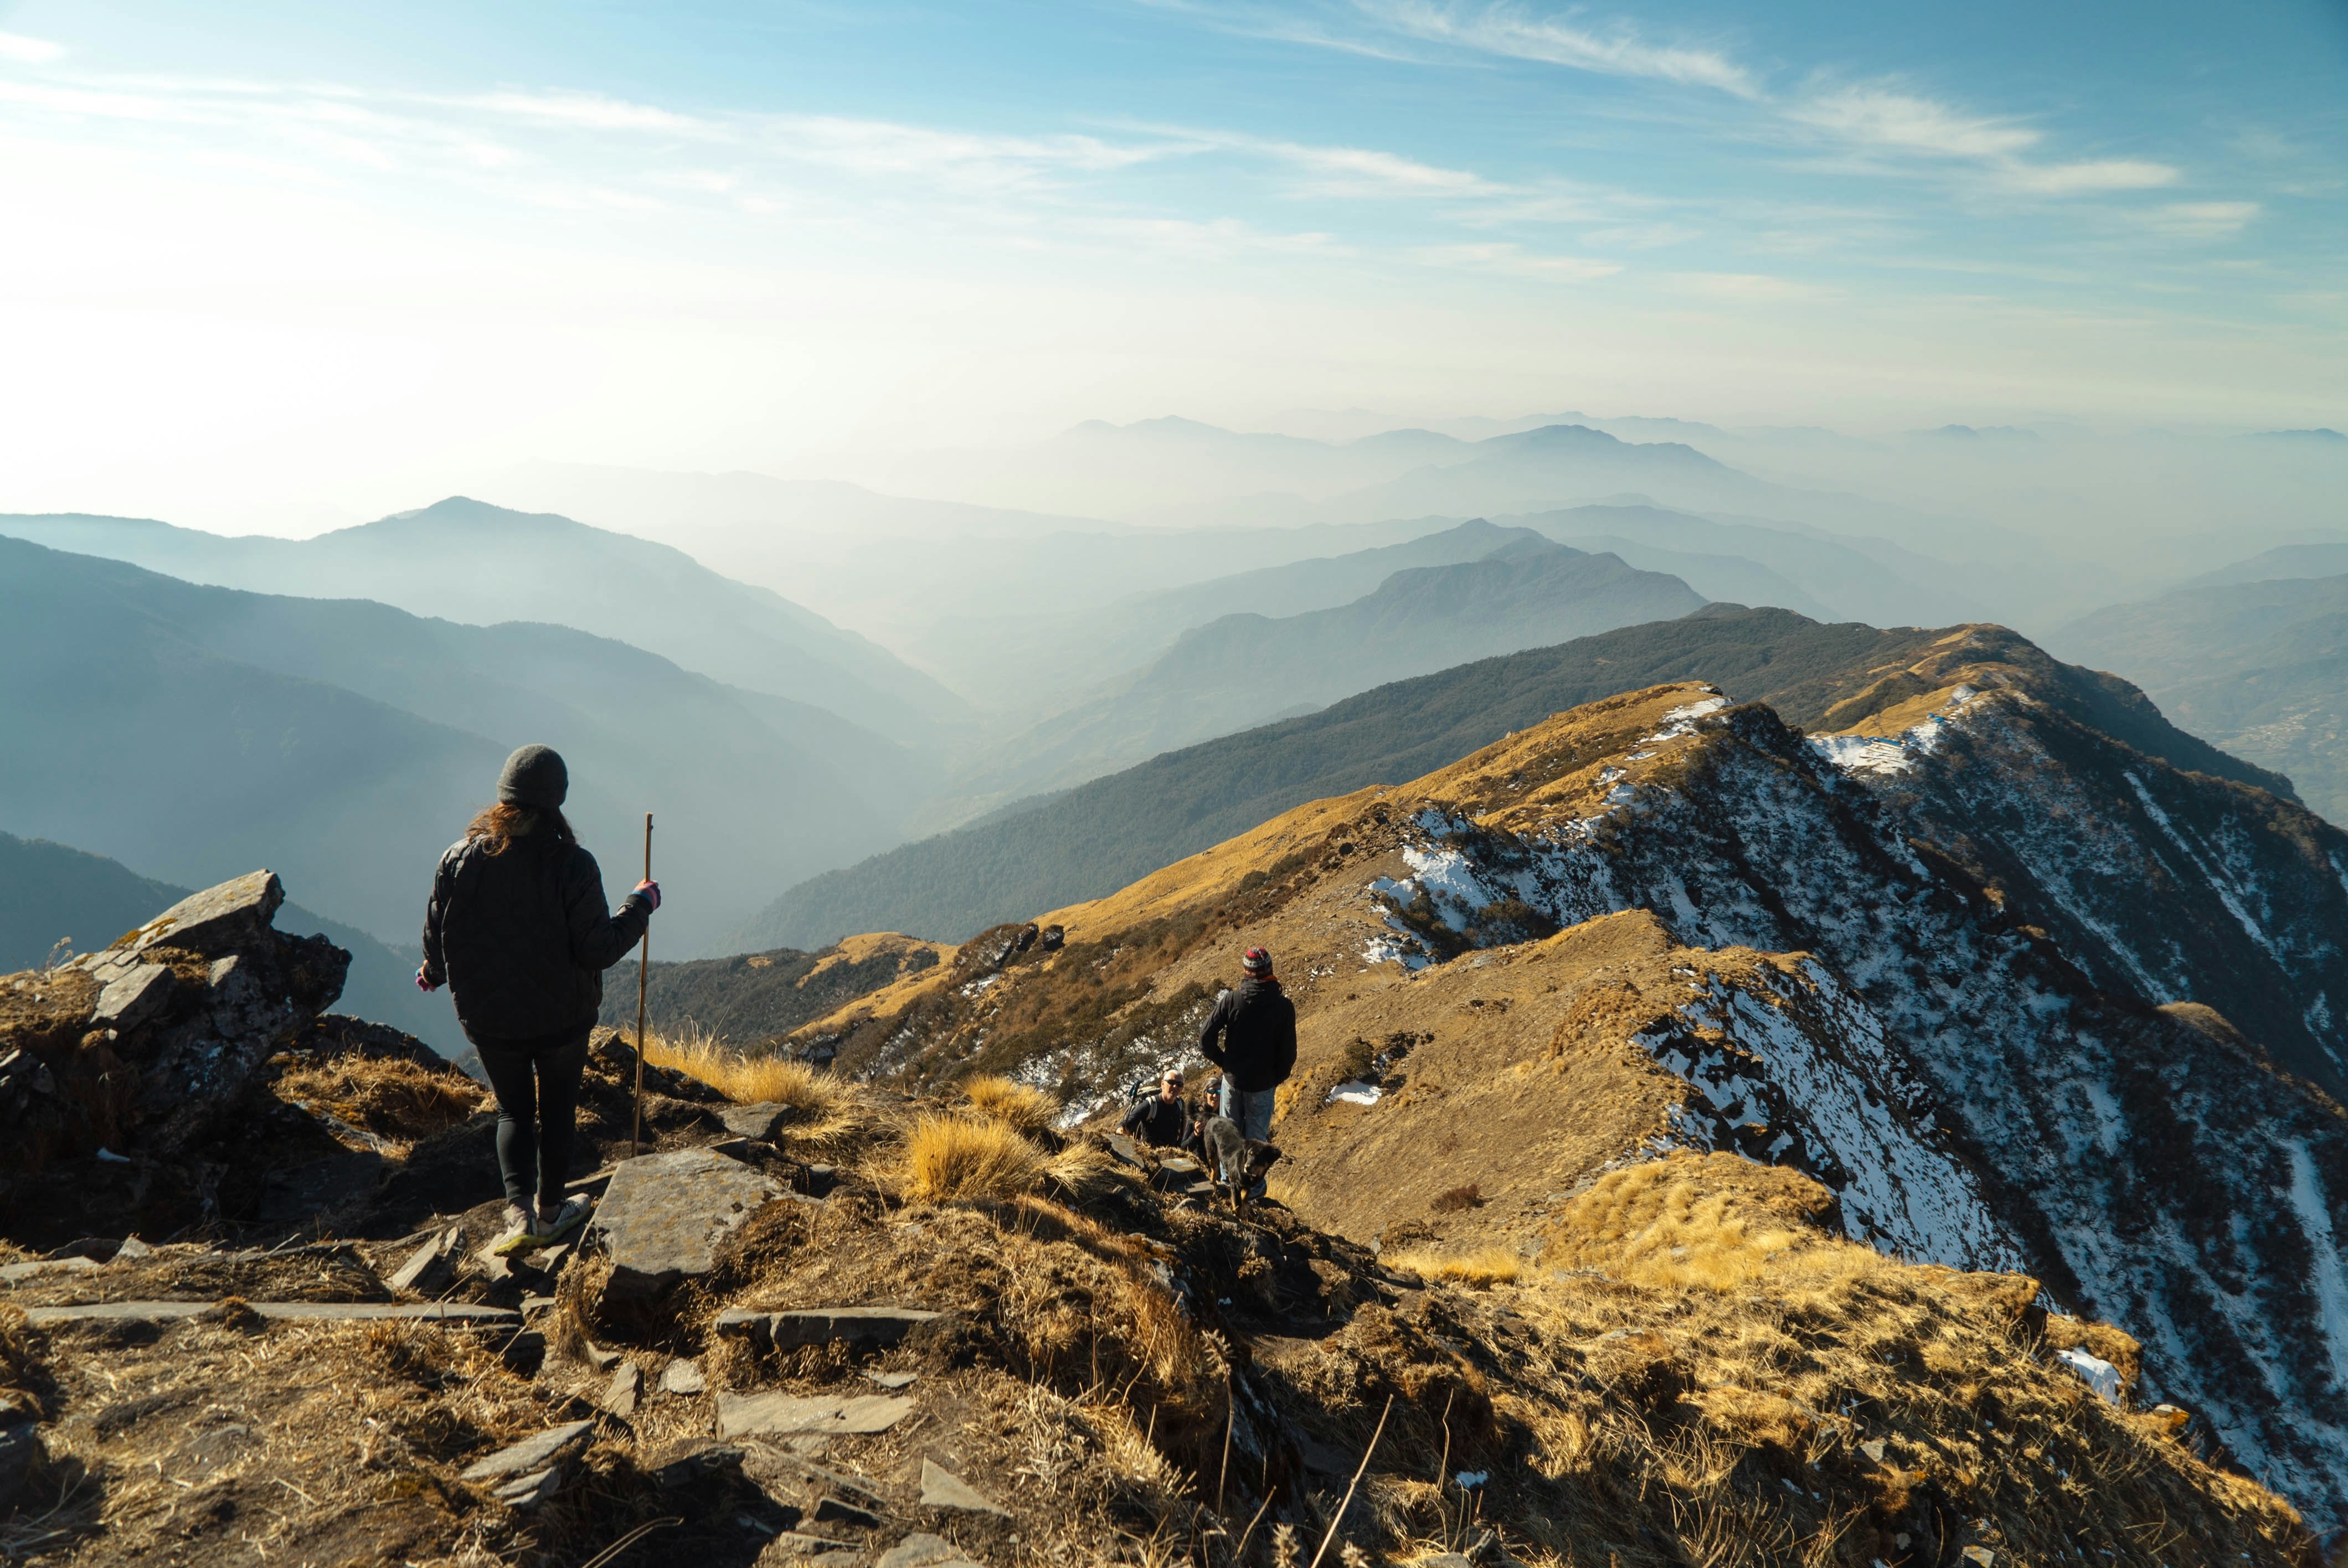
x=537, y=1085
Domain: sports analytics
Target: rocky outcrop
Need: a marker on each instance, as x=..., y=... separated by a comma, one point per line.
x=136, y=1051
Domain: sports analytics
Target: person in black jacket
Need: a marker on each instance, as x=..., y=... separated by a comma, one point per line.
x=518, y=931
x=1252, y=1036
x=1162, y=1121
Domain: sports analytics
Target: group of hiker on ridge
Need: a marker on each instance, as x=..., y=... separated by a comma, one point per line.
x=517, y=930
x=1250, y=1037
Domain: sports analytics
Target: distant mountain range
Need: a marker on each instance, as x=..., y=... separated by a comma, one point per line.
x=50, y=892
x=462, y=559
x=1243, y=668
x=2284, y=561
x=197, y=732
x=1087, y=842
x=2260, y=667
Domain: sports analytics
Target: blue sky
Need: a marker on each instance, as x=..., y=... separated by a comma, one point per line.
x=335, y=240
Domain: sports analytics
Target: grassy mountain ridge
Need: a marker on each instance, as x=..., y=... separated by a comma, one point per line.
x=1663, y=922
x=1097, y=837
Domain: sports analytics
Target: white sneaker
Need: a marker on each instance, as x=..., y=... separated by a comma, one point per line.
x=521, y=1232
x=571, y=1215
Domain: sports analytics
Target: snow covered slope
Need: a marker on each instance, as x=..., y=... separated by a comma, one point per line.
x=2158, y=1170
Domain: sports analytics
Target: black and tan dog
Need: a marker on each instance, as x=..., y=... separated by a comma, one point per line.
x=1235, y=1160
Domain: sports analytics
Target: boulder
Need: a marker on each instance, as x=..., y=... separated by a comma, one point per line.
x=760, y=1122
x=664, y=1216
x=132, y=996
x=226, y=918
x=683, y=1375
x=785, y=1415
x=940, y=1488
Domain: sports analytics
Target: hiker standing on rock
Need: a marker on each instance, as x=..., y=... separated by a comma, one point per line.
x=1252, y=1036
x=518, y=931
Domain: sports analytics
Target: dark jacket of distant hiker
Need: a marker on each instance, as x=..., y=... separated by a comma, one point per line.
x=1160, y=1122
x=522, y=937
x=1252, y=1036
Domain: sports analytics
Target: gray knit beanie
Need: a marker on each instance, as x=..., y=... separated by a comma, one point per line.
x=534, y=775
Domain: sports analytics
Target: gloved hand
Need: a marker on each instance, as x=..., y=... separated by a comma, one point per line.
x=421, y=983
x=650, y=890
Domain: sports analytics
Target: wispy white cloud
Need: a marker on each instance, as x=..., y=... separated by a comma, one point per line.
x=2199, y=219
x=2086, y=177
x=1748, y=287
x=1874, y=117
x=1882, y=121
x=25, y=51
x=1522, y=34
x=587, y=111
x=1513, y=261
x=1367, y=172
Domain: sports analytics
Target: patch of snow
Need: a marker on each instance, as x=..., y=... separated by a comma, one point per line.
x=2331, y=1279
x=2222, y=888
x=2100, y=1375
x=1353, y=1093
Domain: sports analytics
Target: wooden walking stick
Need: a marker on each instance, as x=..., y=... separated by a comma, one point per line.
x=644, y=967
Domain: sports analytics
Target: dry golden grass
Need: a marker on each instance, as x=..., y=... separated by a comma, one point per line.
x=813, y=1096
x=395, y=1099
x=1483, y=1266
x=956, y=1158
x=1705, y=1223
x=1017, y=1105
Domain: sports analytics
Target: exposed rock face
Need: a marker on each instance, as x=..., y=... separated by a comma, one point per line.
x=141, y=1049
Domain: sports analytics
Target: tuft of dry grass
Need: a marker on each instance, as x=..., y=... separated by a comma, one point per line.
x=813, y=1096
x=1681, y=1223
x=395, y=1099
x=1025, y=1109
x=950, y=1158
x=1482, y=1268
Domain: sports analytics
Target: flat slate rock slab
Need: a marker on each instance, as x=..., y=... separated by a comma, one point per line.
x=925, y=1551
x=940, y=1488
x=664, y=1216
x=530, y=1455
x=823, y=1324
x=15, y=1272
x=786, y=1414
x=275, y=1311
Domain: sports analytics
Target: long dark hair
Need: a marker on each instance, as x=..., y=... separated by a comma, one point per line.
x=502, y=824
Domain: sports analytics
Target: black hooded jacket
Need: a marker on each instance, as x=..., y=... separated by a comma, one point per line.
x=1252, y=1036
x=522, y=937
